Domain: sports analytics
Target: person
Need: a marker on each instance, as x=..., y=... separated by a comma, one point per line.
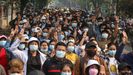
x=91, y=53
x=5, y=54
x=110, y=59
x=15, y=67
x=67, y=69
x=74, y=58
x=2, y=70
x=124, y=57
x=52, y=66
x=92, y=68
x=104, y=41
x=44, y=48
x=124, y=69
x=51, y=48
x=33, y=59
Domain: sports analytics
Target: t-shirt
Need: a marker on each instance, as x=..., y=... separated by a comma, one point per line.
x=113, y=66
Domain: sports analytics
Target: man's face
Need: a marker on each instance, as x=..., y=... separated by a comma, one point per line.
x=61, y=48
x=60, y=51
x=126, y=71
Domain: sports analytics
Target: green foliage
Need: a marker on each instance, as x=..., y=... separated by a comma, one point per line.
x=126, y=7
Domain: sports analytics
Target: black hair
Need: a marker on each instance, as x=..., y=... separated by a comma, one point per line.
x=110, y=44
x=90, y=45
x=67, y=64
x=69, y=42
x=60, y=44
x=44, y=42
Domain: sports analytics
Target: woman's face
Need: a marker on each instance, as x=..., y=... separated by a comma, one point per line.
x=113, y=47
x=66, y=69
x=93, y=70
x=33, y=43
x=15, y=71
x=44, y=45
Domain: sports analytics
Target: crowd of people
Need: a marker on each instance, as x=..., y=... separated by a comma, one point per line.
x=66, y=42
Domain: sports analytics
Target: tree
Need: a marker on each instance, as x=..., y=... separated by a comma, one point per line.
x=126, y=7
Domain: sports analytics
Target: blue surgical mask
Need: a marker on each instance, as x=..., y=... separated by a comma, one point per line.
x=45, y=34
x=104, y=35
x=112, y=52
x=66, y=33
x=66, y=73
x=33, y=47
x=21, y=46
x=60, y=54
x=61, y=37
x=70, y=48
x=74, y=25
x=51, y=47
x=86, y=29
x=3, y=43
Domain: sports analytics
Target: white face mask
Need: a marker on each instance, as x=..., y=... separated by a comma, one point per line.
x=71, y=40
x=70, y=48
x=85, y=29
x=21, y=46
x=66, y=73
x=33, y=47
x=105, y=35
x=44, y=50
x=60, y=54
x=3, y=43
x=15, y=74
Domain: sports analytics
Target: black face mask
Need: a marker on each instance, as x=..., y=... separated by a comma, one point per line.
x=91, y=53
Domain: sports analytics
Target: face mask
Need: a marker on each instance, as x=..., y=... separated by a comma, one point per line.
x=47, y=41
x=61, y=37
x=89, y=23
x=51, y=47
x=2, y=43
x=21, y=46
x=66, y=73
x=43, y=20
x=61, y=19
x=100, y=23
x=70, y=48
x=93, y=71
x=44, y=50
x=112, y=52
x=69, y=17
x=112, y=25
x=45, y=34
x=66, y=33
x=33, y=29
x=74, y=25
x=105, y=35
x=33, y=47
x=20, y=26
x=71, y=40
x=14, y=74
x=86, y=30
x=27, y=32
x=60, y=54
x=91, y=53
